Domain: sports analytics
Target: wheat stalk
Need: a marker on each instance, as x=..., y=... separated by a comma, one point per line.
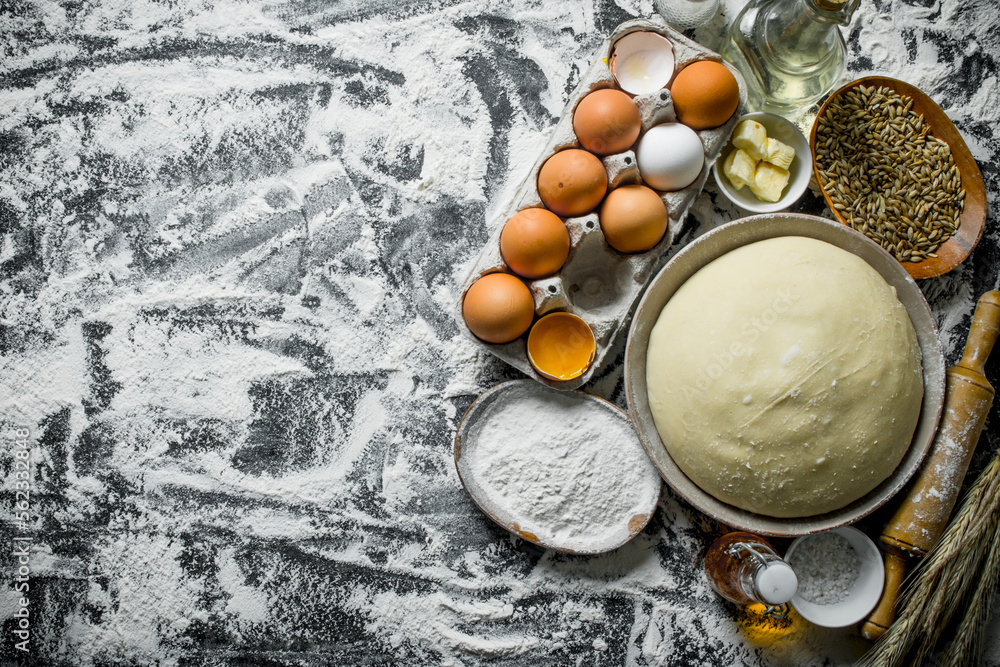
x=962, y=568
x=968, y=645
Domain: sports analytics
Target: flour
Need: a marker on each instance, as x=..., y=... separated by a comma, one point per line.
x=568, y=470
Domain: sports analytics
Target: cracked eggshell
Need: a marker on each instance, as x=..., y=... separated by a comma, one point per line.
x=561, y=346
x=642, y=62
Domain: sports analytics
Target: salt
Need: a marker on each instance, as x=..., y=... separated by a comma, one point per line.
x=827, y=567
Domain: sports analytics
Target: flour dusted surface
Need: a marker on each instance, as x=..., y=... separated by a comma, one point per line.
x=300, y=189
x=571, y=469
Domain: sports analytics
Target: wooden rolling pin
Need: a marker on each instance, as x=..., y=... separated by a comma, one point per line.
x=924, y=513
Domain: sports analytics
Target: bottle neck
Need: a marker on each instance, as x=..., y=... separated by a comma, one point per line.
x=748, y=579
x=800, y=34
x=837, y=11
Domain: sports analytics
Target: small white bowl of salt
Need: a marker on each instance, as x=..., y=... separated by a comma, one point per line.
x=841, y=576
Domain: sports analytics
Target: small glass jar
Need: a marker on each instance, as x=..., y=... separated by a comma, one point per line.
x=790, y=52
x=745, y=569
x=686, y=14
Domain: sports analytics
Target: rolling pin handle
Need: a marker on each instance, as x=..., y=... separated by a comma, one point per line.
x=921, y=518
x=983, y=333
x=885, y=613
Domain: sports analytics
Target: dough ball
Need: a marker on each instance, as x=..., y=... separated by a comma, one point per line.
x=785, y=378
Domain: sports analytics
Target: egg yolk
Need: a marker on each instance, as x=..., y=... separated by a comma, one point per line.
x=561, y=346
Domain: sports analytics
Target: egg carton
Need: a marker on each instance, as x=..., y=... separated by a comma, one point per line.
x=598, y=283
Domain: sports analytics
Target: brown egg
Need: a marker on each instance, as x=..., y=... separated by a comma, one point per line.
x=534, y=243
x=633, y=218
x=498, y=308
x=607, y=121
x=572, y=182
x=705, y=94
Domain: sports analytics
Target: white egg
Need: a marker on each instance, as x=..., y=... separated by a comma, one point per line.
x=670, y=157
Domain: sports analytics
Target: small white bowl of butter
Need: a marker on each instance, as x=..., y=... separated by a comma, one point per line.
x=799, y=171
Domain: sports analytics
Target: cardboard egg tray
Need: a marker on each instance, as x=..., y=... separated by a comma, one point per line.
x=597, y=283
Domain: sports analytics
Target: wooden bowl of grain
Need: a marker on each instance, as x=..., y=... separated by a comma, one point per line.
x=884, y=213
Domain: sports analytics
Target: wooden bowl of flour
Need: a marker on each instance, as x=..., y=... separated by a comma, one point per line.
x=563, y=470
x=721, y=241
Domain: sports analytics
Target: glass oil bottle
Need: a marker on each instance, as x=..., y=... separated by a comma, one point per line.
x=790, y=52
x=745, y=569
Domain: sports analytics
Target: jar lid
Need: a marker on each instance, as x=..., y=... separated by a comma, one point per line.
x=777, y=582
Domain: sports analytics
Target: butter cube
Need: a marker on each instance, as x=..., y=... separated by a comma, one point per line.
x=779, y=154
x=752, y=138
x=739, y=168
x=769, y=181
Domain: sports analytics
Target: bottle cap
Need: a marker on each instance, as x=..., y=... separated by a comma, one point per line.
x=777, y=583
x=839, y=11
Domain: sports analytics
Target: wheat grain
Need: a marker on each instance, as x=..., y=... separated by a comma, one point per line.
x=888, y=162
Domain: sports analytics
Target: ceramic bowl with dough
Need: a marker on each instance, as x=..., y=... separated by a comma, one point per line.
x=792, y=390
x=736, y=235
